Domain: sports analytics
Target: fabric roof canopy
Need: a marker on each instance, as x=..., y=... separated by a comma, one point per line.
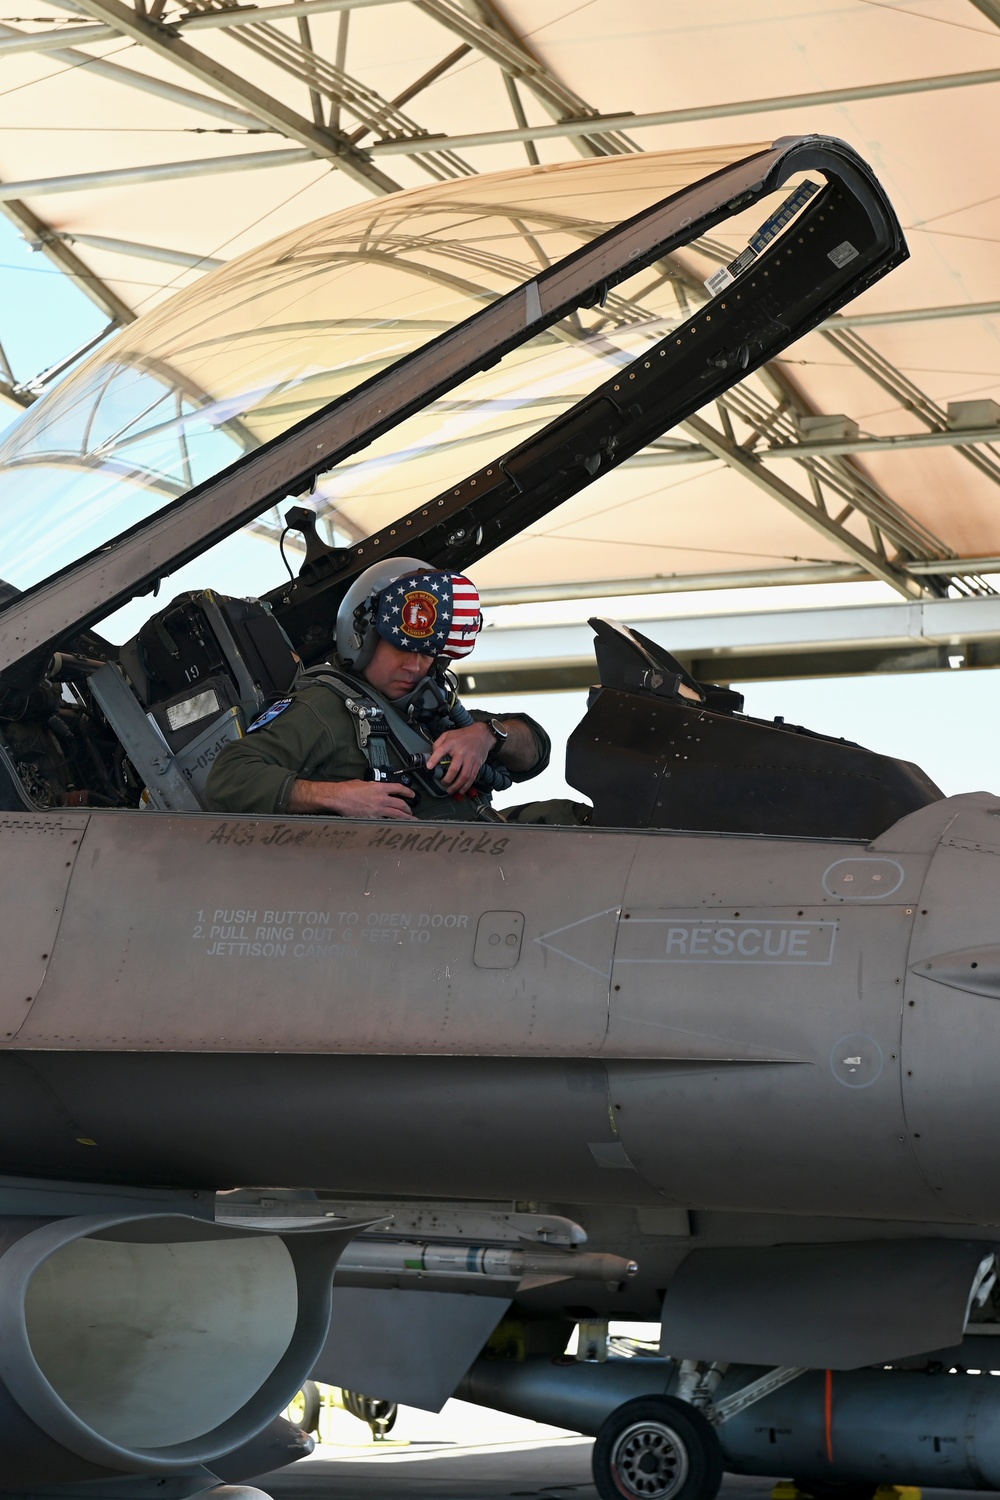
x=712, y=499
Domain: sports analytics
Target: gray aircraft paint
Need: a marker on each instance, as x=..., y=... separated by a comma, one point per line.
x=756, y=1080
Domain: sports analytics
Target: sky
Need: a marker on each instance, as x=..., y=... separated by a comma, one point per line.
x=44, y=316
x=947, y=722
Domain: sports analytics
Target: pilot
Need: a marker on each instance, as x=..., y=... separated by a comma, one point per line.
x=378, y=732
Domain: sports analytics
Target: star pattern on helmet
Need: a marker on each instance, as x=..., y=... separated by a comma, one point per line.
x=434, y=613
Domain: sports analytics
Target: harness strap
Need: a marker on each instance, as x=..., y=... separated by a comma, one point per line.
x=385, y=738
x=375, y=739
x=381, y=730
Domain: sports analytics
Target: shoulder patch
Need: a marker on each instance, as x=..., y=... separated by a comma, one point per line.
x=269, y=713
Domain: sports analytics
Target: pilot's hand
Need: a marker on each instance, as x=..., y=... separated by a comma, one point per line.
x=352, y=799
x=468, y=749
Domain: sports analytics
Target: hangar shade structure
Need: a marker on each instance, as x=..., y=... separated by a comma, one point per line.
x=760, y=489
x=255, y=346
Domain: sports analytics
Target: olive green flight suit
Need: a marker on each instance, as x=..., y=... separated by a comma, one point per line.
x=314, y=739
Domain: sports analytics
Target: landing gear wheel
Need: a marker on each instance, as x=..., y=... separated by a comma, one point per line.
x=304, y=1408
x=380, y=1415
x=657, y=1448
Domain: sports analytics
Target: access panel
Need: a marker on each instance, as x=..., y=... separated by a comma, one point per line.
x=755, y=1026
x=37, y=855
x=951, y=1016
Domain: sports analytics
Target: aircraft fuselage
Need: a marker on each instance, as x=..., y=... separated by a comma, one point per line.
x=726, y=1022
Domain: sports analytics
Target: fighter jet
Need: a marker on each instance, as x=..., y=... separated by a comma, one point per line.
x=737, y=1034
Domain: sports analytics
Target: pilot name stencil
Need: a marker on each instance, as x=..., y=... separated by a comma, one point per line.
x=436, y=842
x=759, y=941
x=241, y=833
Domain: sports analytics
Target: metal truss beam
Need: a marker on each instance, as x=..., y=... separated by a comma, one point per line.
x=796, y=573
x=990, y=9
x=933, y=635
x=114, y=73
x=37, y=383
x=426, y=79
x=510, y=83
x=367, y=106
x=959, y=567
x=240, y=15
x=835, y=477
x=692, y=453
x=489, y=34
x=160, y=172
x=914, y=315
x=37, y=232
x=327, y=145
x=577, y=127
x=907, y=393
x=142, y=252
x=750, y=467
x=54, y=41
x=237, y=15
x=559, y=676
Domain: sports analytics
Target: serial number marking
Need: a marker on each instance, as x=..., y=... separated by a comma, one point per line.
x=745, y=942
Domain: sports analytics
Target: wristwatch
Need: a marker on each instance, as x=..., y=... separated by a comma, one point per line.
x=499, y=733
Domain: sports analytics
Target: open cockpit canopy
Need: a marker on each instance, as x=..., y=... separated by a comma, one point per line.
x=431, y=373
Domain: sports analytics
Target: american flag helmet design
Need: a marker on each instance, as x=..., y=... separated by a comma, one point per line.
x=437, y=614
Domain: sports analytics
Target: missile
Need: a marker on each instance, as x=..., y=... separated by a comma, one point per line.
x=484, y=1262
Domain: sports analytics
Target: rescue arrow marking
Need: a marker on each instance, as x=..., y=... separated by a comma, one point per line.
x=544, y=941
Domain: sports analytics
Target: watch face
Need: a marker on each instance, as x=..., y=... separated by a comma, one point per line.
x=498, y=730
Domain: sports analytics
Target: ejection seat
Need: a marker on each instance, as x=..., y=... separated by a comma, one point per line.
x=658, y=749
x=190, y=682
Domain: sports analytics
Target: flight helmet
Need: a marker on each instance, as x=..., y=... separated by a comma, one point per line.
x=411, y=605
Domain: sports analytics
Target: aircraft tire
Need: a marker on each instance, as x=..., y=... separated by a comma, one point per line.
x=657, y=1448
x=303, y=1410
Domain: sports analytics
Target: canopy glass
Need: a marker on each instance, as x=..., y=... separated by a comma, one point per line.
x=265, y=341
